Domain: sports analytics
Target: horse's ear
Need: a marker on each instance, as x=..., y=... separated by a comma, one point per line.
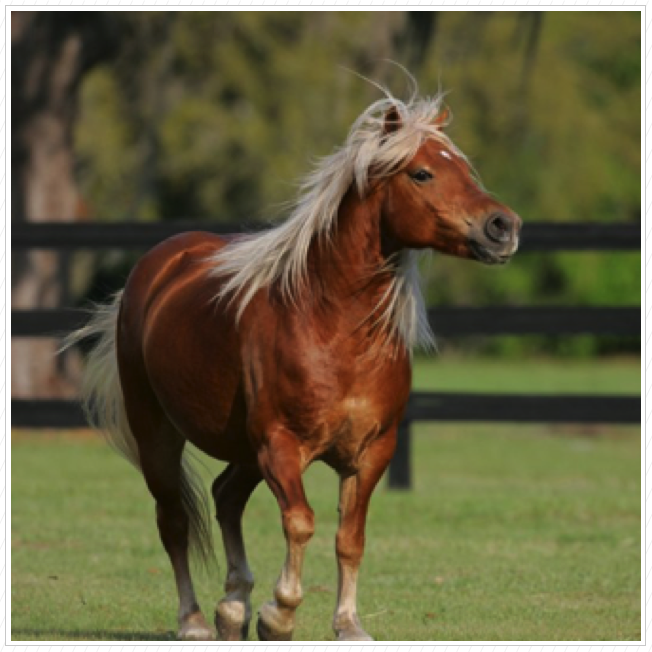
x=442, y=119
x=393, y=121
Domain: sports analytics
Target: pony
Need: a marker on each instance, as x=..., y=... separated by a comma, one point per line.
x=276, y=349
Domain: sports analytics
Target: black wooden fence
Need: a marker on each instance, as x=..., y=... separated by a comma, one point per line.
x=440, y=406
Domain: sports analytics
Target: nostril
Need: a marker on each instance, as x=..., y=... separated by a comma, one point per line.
x=498, y=228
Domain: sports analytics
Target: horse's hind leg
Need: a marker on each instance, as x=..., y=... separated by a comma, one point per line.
x=231, y=492
x=161, y=451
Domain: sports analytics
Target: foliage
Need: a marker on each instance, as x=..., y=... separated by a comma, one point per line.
x=224, y=110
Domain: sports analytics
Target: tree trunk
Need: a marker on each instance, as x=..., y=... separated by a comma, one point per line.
x=51, y=51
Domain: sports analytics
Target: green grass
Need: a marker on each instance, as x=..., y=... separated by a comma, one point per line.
x=545, y=375
x=512, y=532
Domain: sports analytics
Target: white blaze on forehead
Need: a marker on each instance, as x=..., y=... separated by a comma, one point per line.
x=445, y=154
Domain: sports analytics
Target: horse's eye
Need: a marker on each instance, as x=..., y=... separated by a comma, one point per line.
x=421, y=176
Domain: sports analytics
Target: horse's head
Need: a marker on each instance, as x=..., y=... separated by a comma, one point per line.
x=433, y=201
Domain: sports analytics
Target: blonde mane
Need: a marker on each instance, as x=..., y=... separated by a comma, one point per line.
x=279, y=255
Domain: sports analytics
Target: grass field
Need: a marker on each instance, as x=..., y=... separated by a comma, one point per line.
x=524, y=533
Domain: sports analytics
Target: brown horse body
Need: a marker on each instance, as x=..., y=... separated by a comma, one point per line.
x=274, y=383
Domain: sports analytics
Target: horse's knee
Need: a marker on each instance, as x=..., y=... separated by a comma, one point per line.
x=349, y=548
x=299, y=524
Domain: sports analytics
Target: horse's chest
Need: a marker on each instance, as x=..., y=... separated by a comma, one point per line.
x=359, y=395
x=346, y=419
x=355, y=421
x=348, y=415
x=333, y=400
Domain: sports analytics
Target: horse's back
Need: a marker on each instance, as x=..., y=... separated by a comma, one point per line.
x=179, y=345
x=163, y=264
x=159, y=272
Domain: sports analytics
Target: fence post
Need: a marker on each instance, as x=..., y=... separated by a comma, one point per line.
x=400, y=468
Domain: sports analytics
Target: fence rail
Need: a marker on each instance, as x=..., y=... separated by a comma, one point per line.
x=423, y=406
x=65, y=235
x=446, y=321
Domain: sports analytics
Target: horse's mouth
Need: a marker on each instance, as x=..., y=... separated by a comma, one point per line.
x=487, y=256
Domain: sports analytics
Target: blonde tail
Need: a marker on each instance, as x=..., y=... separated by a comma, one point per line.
x=101, y=394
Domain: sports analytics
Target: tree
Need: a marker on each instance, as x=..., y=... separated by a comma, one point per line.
x=51, y=53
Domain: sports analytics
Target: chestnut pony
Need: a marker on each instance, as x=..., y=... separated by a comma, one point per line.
x=272, y=350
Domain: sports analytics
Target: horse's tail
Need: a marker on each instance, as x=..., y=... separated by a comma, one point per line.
x=104, y=407
x=101, y=393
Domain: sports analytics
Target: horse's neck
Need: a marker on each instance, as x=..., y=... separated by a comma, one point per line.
x=353, y=265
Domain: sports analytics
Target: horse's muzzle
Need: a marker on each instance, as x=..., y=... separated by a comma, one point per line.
x=495, y=241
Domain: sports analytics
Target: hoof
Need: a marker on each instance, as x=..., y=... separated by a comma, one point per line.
x=195, y=628
x=226, y=633
x=196, y=633
x=353, y=635
x=266, y=634
x=350, y=629
x=232, y=621
x=269, y=627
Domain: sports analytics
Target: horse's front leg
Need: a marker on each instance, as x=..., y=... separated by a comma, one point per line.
x=355, y=494
x=281, y=465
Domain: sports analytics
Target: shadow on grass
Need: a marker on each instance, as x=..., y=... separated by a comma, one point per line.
x=31, y=634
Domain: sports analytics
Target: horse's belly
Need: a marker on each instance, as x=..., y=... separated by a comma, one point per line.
x=216, y=426
x=198, y=384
